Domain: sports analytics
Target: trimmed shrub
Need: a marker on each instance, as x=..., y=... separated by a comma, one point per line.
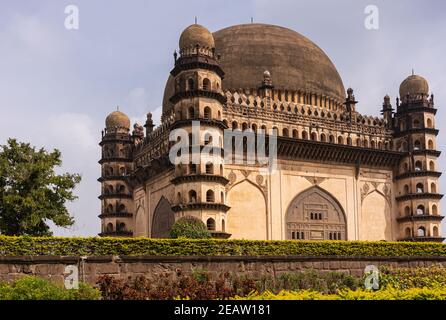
x=33, y=288
x=361, y=294
x=189, y=228
x=53, y=246
x=405, y=278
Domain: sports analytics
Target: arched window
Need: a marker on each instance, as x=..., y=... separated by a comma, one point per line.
x=209, y=168
x=429, y=123
x=207, y=113
x=110, y=208
x=191, y=113
x=349, y=141
x=122, y=208
x=408, y=232
x=192, y=168
x=234, y=125
x=406, y=189
x=431, y=166
x=416, y=123
x=110, y=227
x=210, y=197
x=304, y=135
x=121, y=226
x=407, y=211
x=332, y=138
x=122, y=171
x=417, y=145
x=358, y=142
x=405, y=167
x=421, y=232
x=313, y=136
x=190, y=84
x=434, y=210
x=366, y=143
x=323, y=137
x=420, y=188
x=373, y=144
x=433, y=188
x=192, y=196
x=295, y=134
x=420, y=210
x=110, y=171
x=285, y=132
x=435, y=231
x=340, y=140
x=221, y=169
x=206, y=84
x=210, y=223
x=222, y=197
x=223, y=225
x=430, y=145
x=179, y=198
x=109, y=190
x=254, y=127
x=418, y=166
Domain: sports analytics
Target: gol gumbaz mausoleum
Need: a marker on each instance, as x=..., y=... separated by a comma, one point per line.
x=340, y=175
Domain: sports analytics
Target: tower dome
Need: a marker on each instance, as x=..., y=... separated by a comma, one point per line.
x=414, y=85
x=117, y=119
x=197, y=35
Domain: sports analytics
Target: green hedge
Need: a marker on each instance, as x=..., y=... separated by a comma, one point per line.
x=53, y=246
x=361, y=294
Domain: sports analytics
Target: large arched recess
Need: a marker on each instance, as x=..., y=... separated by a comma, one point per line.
x=315, y=214
x=375, y=218
x=247, y=216
x=163, y=219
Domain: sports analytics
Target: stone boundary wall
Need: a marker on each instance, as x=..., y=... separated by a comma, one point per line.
x=90, y=268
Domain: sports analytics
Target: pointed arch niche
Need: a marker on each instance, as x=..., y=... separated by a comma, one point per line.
x=163, y=219
x=375, y=222
x=315, y=215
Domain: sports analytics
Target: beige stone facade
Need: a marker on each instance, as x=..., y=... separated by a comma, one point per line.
x=340, y=175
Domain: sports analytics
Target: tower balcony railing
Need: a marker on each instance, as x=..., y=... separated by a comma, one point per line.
x=115, y=194
x=423, y=239
x=121, y=233
x=424, y=195
x=420, y=217
x=115, y=214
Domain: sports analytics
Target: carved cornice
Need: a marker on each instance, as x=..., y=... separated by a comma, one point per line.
x=115, y=195
x=201, y=206
x=200, y=178
x=415, y=131
x=115, y=160
x=423, y=239
x=198, y=94
x=418, y=174
x=116, y=215
x=423, y=217
x=112, y=178
x=411, y=196
x=207, y=122
x=197, y=61
x=334, y=153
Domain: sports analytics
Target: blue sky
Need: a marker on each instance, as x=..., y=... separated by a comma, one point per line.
x=57, y=86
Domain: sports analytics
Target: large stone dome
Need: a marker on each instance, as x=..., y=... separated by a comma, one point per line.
x=295, y=62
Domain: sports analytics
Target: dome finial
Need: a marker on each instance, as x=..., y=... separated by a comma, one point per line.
x=413, y=72
x=196, y=20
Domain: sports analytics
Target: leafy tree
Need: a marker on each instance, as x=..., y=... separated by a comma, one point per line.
x=31, y=193
x=189, y=227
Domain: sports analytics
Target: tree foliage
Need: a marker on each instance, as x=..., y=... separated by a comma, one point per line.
x=31, y=193
x=190, y=228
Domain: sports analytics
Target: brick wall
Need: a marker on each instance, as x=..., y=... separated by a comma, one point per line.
x=90, y=268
